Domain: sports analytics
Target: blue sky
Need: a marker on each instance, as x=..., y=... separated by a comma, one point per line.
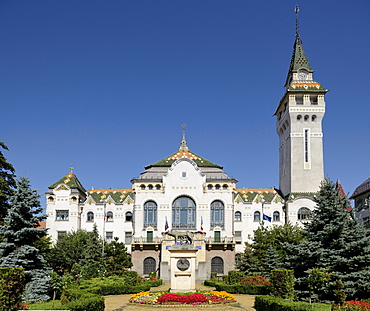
x=106, y=85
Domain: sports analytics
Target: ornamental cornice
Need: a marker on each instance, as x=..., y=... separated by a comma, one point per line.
x=304, y=109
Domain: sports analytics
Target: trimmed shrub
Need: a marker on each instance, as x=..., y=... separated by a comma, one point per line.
x=153, y=283
x=213, y=275
x=282, y=284
x=152, y=275
x=270, y=303
x=235, y=276
x=255, y=280
x=242, y=289
x=131, y=277
x=210, y=283
x=11, y=288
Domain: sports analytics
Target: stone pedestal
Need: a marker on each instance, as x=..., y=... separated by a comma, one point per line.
x=182, y=263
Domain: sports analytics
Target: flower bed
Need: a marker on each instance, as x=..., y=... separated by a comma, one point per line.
x=213, y=297
x=356, y=305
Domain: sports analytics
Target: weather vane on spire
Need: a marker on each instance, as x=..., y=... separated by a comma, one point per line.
x=296, y=10
x=183, y=146
x=71, y=168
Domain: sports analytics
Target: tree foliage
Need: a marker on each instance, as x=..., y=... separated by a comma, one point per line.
x=336, y=242
x=267, y=251
x=7, y=181
x=117, y=258
x=79, y=253
x=20, y=233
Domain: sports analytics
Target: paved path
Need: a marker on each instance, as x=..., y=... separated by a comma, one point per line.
x=120, y=302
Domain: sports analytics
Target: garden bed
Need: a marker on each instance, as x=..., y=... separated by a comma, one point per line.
x=182, y=299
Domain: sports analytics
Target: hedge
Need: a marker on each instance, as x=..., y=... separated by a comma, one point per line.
x=270, y=303
x=116, y=289
x=241, y=289
x=78, y=301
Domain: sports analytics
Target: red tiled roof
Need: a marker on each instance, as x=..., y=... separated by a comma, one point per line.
x=365, y=186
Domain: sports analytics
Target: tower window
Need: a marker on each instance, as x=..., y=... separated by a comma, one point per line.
x=209, y=187
x=299, y=99
x=142, y=187
x=306, y=145
x=313, y=118
x=313, y=99
x=306, y=117
x=217, y=187
x=158, y=187
x=299, y=117
x=150, y=187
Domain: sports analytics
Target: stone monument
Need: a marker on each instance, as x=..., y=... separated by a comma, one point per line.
x=182, y=261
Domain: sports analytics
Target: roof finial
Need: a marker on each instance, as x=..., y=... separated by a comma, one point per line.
x=183, y=146
x=71, y=168
x=296, y=10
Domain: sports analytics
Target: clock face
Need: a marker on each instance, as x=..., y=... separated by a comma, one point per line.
x=302, y=75
x=183, y=264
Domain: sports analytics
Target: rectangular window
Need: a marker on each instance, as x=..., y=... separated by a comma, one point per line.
x=238, y=237
x=62, y=215
x=149, y=236
x=109, y=236
x=128, y=237
x=217, y=236
x=306, y=145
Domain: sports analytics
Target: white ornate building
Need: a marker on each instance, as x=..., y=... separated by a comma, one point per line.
x=184, y=191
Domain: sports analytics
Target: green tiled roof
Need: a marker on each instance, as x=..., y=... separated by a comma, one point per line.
x=295, y=195
x=117, y=195
x=71, y=181
x=168, y=161
x=299, y=58
x=249, y=195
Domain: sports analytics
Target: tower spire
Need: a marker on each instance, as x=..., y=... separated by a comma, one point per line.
x=183, y=146
x=296, y=10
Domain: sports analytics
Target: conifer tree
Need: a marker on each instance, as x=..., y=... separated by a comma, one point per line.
x=7, y=181
x=270, y=262
x=117, y=259
x=336, y=242
x=20, y=233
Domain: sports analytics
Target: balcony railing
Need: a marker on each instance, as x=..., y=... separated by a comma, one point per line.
x=220, y=240
x=145, y=240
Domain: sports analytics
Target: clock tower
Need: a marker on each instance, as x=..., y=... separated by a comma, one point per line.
x=299, y=126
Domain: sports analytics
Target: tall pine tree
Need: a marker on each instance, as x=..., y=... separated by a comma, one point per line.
x=336, y=242
x=20, y=233
x=7, y=181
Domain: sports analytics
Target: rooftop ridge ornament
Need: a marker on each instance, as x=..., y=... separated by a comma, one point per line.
x=183, y=147
x=71, y=168
x=296, y=10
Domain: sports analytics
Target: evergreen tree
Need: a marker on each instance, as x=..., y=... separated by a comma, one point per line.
x=336, y=242
x=7, y=181
x=268, y=248
x=271, y=261
x=20, y=232
x=117, y=259
x=78, y=253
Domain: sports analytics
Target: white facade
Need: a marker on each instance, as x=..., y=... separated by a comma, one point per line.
x=186, y=192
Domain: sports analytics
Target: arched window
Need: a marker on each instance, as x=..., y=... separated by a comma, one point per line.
x=149, y=265
x=257, y=216
x=276, y=216
x=142, y=187
x=90, y=216
x=74, y=199
x=238, y=216
x=150, y=187
x=224, y=187
x=128, y=216
x=183, y=213
x=150, y=214
x=210, y=187
x=303, y=213
x=217, y=187
x=217, y=214
x=110, y=216
x=217, y=265
x=158, y=187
